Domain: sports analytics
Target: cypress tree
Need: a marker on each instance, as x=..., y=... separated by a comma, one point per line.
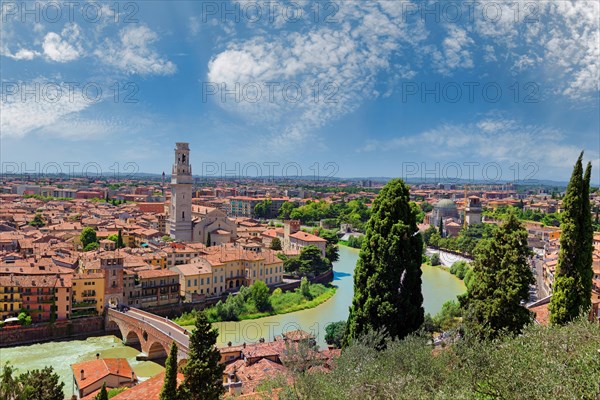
x=208, y=240
x=169, y=389
x=387, y=278
x=441, y=226
x=120, y=240
x=103, y=394
x=203, y=373
x=500, y=283
x=572, y=288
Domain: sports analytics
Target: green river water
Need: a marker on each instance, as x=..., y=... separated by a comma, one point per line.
x=439, y=286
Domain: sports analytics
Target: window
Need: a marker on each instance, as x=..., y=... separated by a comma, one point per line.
x=189, y=283
x=195, y=282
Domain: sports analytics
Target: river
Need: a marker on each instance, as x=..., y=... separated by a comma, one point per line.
x=439, y=286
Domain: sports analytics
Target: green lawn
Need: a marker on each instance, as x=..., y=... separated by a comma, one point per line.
x=281, y=302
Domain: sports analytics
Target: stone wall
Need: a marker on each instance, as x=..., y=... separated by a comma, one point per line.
x=72, y=329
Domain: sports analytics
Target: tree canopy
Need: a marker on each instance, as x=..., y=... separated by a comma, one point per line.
x=502, y=276
x=387, y=278
x=572, y=288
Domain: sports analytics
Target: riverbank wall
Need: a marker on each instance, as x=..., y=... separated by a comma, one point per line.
x=60, y=330
x=83, y=328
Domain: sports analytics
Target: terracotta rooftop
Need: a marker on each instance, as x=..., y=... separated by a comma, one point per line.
x=95, y=370
x=147, y=390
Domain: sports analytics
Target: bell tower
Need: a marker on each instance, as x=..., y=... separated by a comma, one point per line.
x=180, y=213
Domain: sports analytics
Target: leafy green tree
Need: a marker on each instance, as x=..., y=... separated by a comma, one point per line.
x=449, y=316
x=9, y=385
x=313, y=263
x=427, y=234
x=276, y=244
x=493, y=302
x=203, y=372
x=91, y=246
x=305, y=288
x=169, y=389
x=37, y=221
x=435, y=259
x=286, y=209
x=24, y=319
x=103, y=394
x=41, y=384
x=426, y=207
x=573, y=280
x=332, y=252
x=259, y=293
x=334, y=333
x=509, y=368
x=355, y=241
x=87, y=236
x=262, y=209
x=387, y=278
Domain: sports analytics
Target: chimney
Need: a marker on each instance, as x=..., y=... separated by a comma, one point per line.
x=97, y=356
x=82, y=374
x=132, y=376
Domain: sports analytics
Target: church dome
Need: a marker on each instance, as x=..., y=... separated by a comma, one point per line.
x=445, y=204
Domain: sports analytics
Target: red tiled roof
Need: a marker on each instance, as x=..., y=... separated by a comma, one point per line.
x=95, y=370
x=147, y=390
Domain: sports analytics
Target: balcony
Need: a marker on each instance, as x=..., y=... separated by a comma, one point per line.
x=83, y=313
x=84, y=304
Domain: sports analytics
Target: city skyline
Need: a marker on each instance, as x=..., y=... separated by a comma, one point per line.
x=364, y=89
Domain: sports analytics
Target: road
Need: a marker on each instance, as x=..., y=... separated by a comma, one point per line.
x=164, y=325
x=538, y=273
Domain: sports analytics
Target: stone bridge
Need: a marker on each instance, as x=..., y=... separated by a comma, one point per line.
x=154, y=334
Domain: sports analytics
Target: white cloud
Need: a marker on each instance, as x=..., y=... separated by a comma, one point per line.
x=64, y=47
x=132, y=53
x=22, y=116
x=561, y=38
x=194, y=25
x=455, y=52
x=23, y=54
x=493, y=140
x=335, y=69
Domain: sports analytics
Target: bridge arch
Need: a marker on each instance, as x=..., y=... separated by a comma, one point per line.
x=156, y=350
x=131, y=337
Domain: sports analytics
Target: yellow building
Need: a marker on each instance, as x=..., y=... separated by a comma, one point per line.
x=194, y=278
x=88, y=294
x=226, y=269
x=10, y=297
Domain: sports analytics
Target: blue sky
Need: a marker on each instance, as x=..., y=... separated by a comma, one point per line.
x=492, y=89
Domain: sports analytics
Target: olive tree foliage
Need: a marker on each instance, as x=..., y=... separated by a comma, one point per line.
x=556, y=362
